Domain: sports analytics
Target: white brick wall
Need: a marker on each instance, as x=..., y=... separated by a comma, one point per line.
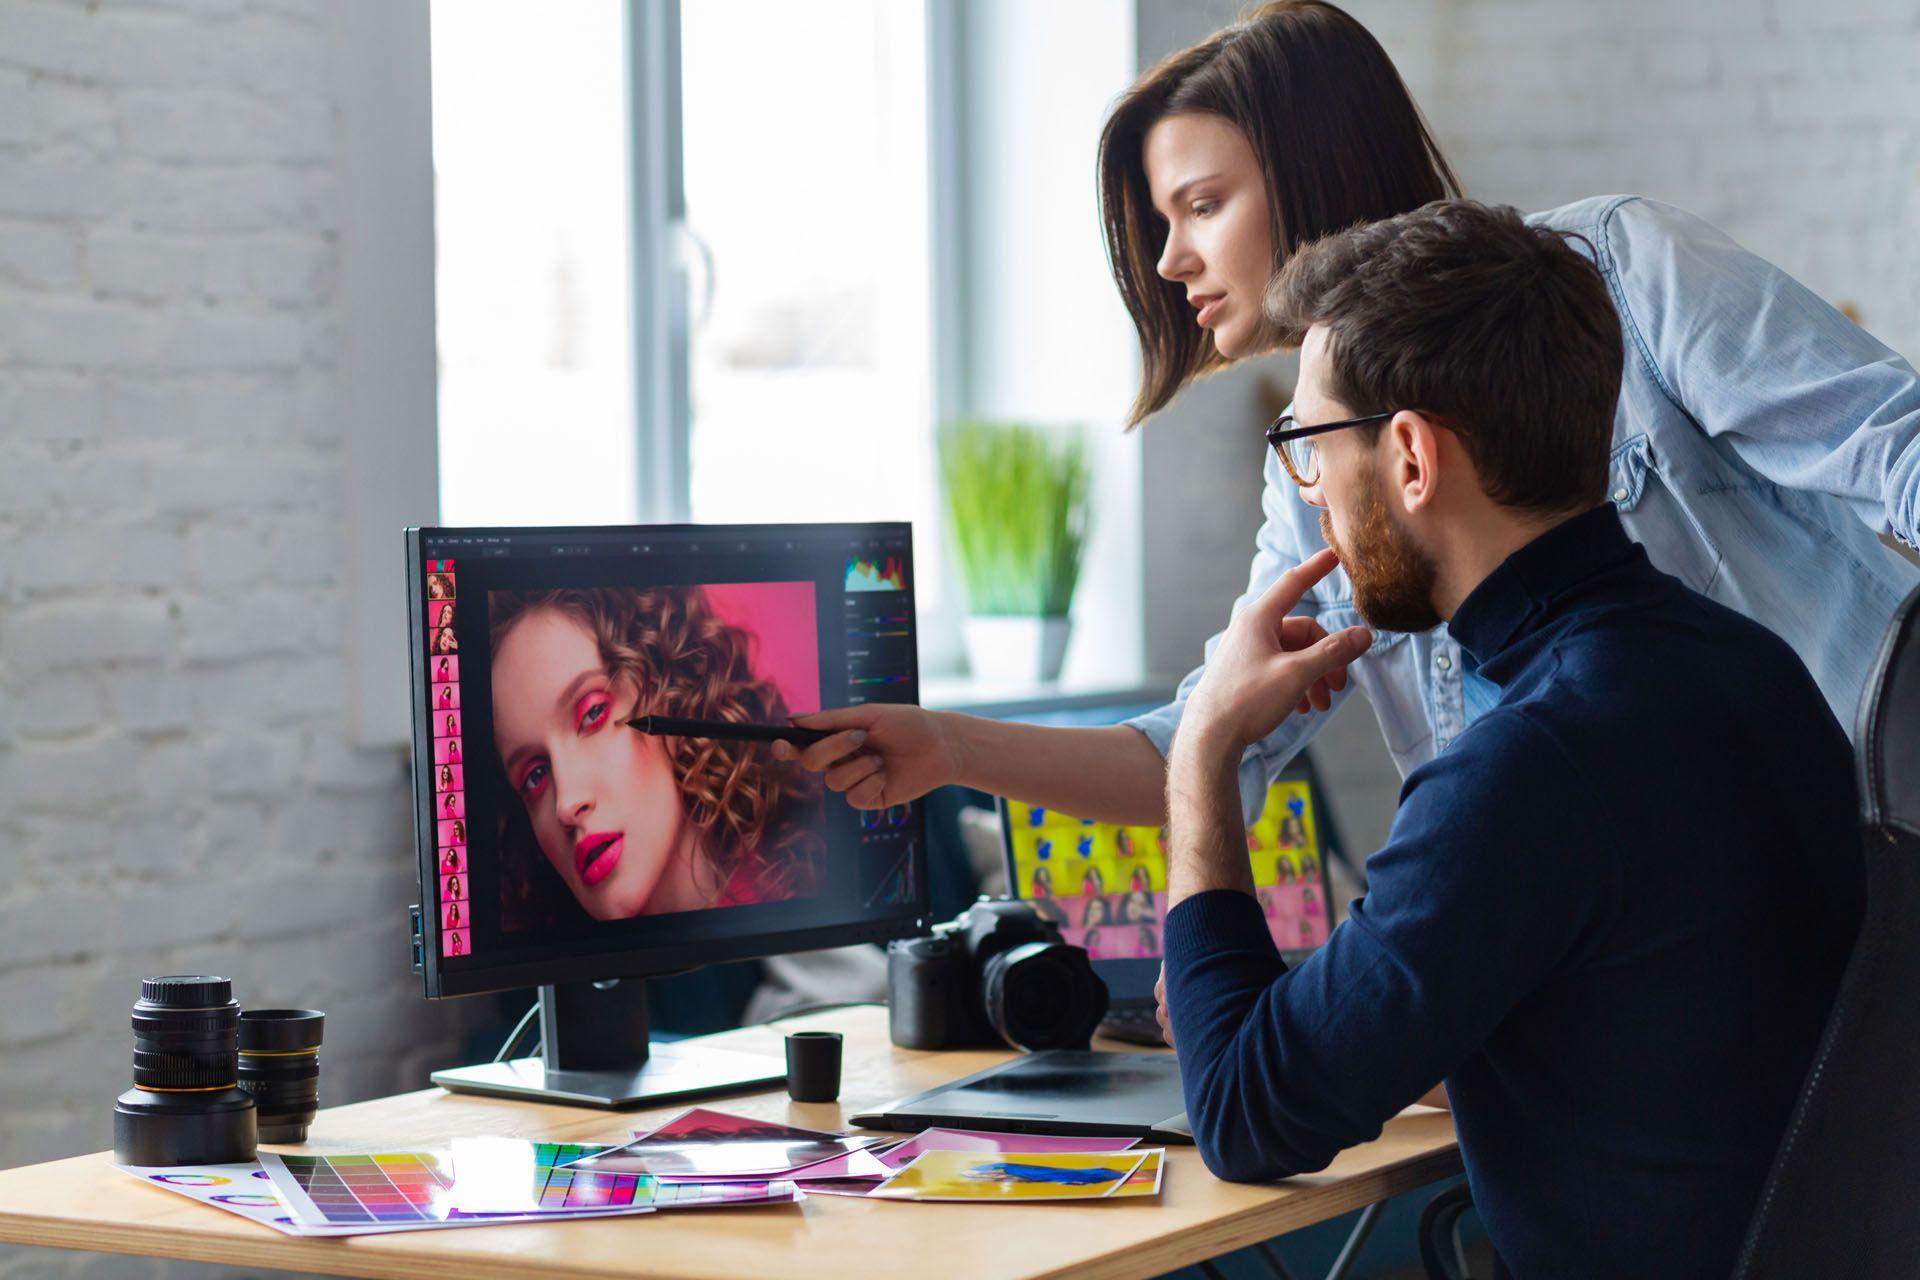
x=178, y=790
x=1793, y=126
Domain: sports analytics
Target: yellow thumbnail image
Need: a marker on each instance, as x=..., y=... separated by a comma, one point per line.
x=1010, y=1175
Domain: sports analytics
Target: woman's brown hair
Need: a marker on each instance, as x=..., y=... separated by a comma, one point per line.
x=752, y=813
x=1330, y=121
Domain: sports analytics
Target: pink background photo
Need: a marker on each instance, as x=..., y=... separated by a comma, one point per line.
x=781, y=618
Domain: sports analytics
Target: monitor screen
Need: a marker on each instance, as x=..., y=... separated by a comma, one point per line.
x=559, y=844
x=1106, y=885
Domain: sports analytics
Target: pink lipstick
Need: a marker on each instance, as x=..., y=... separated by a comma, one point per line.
x=596, y=854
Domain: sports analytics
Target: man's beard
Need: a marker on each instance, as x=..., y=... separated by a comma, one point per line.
x=1392, y=578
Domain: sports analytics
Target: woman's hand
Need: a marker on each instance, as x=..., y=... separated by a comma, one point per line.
x=880, y=754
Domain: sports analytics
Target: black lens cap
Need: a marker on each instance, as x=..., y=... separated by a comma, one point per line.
x=280, y=1030
x=187, y=991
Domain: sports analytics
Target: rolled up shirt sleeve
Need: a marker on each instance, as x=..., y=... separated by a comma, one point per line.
x=1803, y=395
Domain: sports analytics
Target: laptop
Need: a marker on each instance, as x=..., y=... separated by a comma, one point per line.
x=1106, y=887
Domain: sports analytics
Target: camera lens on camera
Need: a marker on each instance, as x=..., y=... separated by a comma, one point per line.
x=280, y=1067
x=1043, y=995
x=186, y=1105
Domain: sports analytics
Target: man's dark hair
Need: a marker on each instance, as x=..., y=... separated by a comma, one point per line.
x=1461, y=310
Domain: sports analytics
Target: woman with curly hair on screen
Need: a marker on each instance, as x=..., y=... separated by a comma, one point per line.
x=625, y=823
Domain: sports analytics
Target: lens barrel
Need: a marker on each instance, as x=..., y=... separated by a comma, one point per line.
x=1043, y=995
x=280, y=1067
x=186, y=1106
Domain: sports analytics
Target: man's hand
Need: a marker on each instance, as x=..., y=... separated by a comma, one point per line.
x=1160, y=1007
x=880, y=754
x=1269, y=664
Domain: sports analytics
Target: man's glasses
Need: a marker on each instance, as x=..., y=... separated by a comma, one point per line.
x=1298, y=453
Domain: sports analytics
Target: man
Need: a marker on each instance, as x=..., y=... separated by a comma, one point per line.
x=1594, y=918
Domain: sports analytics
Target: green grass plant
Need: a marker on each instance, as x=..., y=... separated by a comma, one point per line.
x=1017, y=500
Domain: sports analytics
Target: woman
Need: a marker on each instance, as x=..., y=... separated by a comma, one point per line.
x=615, y=823
x=1137, y=907
x=1761, y=442
x=453, y=887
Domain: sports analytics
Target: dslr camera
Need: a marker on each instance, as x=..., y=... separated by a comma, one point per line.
x=996, y=974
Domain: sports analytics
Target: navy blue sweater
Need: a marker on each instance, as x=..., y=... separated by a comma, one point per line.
x=1611, y=916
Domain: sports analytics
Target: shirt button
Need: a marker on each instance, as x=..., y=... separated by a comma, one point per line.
x=1443, y=662
x=1619, y=495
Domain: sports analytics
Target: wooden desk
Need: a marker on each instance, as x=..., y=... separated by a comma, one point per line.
x=83, y=1203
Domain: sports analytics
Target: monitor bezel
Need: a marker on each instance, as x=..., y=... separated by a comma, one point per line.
x=638, y=962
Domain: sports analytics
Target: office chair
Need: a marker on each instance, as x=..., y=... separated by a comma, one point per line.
x=1840, y=1199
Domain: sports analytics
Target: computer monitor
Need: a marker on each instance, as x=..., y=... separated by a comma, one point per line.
x=1106, y=885
x=560, y=848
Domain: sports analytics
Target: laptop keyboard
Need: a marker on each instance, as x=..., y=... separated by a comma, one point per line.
x=1133, y=1022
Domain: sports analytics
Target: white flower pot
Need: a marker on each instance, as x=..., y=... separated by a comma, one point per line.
x=1016, y=650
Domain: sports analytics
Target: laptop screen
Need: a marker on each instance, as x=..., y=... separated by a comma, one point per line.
x=1106, y=885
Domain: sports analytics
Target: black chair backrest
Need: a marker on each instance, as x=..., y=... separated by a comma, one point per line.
x=1843, y=1197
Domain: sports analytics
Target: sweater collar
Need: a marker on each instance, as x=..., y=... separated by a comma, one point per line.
x=1529, y=586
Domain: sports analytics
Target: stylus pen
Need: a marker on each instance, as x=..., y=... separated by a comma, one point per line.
x=727, y=729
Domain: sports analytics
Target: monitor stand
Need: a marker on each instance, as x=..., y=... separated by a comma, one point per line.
x=594, y=1052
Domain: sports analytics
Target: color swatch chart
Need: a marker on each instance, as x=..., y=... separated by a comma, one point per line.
x=410, y=1187
x=398, y=1187
x=559, y=1188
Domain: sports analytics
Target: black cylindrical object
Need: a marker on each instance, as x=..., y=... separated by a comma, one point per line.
x=280, y=1067
x=186, y=1105
x=813, y=1066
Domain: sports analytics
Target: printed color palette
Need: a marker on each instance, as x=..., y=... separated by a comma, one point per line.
x=405, y=1189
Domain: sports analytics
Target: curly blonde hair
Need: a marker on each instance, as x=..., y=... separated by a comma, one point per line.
x=752, y=813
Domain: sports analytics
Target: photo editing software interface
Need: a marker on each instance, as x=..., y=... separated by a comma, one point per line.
x=1106, y=885
x=551, y=830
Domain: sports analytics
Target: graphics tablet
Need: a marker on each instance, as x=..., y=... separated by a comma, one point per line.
x=1070, y=1091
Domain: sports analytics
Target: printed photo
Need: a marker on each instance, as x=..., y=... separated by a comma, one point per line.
x=602, y=822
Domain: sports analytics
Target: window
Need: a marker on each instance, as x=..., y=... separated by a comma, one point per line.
x=806, y=352
x=532, y=246
x=805, y=144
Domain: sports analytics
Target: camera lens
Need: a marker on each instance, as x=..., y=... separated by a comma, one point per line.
x=186, y=1106
x=280, y=1067
x=1043, y=995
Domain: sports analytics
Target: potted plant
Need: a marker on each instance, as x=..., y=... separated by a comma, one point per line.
x=1017, y=500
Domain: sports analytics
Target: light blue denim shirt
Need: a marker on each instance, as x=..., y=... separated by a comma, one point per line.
x=1761, y=443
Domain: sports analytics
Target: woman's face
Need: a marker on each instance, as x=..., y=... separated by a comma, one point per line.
x=603, y=800
x=1207, y=185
